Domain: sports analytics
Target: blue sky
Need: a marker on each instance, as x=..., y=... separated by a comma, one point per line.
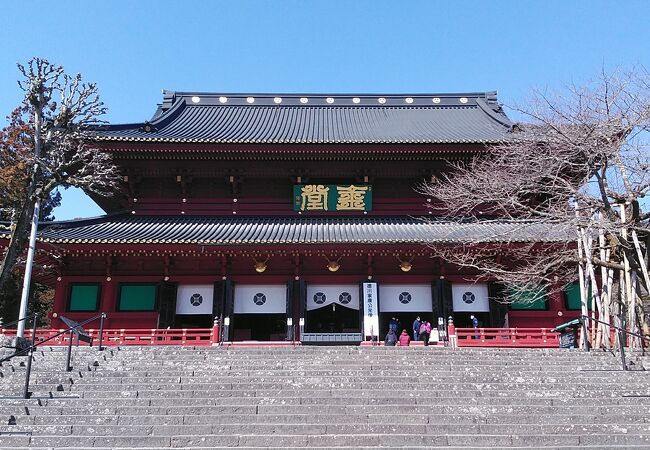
x=133, y=50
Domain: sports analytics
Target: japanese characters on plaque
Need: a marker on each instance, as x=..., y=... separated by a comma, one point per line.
x=332, y=197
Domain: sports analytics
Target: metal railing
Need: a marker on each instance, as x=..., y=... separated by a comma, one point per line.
x=30, y=356
x=622, y=337
x=29, y=351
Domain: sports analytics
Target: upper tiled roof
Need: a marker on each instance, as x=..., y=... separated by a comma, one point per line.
x=326, y=119
x=127, y=229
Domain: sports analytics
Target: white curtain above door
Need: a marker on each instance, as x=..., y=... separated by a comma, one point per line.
x=405, y=298
x=470, y=297
x=260, y=299
x=194, y=299
x=319, y=295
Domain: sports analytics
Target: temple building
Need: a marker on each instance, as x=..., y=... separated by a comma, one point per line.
x=266, y=211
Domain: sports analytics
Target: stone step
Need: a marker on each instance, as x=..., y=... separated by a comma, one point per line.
x=327, y=401
x=275, y=409
x=233, y=375
x=389, y=419
x=170, y=429
x=356, y=440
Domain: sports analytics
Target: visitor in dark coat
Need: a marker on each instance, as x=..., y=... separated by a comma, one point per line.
x=393, y=325
x=416, y=329
x=391, y=339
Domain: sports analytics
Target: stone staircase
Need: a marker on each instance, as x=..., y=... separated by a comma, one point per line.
x=320, y=397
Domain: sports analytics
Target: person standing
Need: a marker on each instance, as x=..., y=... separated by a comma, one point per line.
x=424, y=335
x=404, y=339
x=475, y=325
x=416, y=329
x=451, y=332
x=392, y=325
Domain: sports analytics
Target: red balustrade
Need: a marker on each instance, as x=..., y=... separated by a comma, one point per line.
x=143, y=336
x=507, y=337
x=467, y=337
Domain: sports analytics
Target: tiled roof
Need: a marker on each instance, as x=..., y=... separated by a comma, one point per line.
x=327, y=119
x=126, y=229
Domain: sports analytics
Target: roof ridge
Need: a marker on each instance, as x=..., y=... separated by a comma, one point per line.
x=168, y=95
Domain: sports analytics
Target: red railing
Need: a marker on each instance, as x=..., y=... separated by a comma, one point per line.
x=189, y=337
x=467, y=337
x=507, y=337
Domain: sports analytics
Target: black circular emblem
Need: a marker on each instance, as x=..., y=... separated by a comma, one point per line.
x=319, y=298
x=405, y=297
x=259, y=299
x=468, y=297
x=196, y=299
x=345, y=298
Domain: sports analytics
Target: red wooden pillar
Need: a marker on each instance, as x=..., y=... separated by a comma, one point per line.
x=214, y=334
x=108, y=300
x=556, y=303
x=60, y=294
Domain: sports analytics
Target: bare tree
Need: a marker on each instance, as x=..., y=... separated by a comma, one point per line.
x=579, y=165
x=47, y=146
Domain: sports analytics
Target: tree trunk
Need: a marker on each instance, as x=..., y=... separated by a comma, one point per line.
x=17, y=241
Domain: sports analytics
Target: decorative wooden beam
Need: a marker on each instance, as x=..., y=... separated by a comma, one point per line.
x=109, y=266
x=167, y=264
x=296, y=266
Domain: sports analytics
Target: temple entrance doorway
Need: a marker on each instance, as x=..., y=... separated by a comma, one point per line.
x=333, y=318
x=471, y=299
x=405, y=302
x=193, y=321
x=332, y=314
x=259, y=327
x=405, y=321
x=260, y=312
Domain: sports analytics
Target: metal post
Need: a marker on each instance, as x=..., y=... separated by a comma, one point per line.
x=621, y=347
x=585, y=337
x=68, y=367
x=24, y=296
x=101, y=330
x=30, y=357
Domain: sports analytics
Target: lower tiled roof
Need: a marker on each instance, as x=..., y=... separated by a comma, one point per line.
x=127, y=229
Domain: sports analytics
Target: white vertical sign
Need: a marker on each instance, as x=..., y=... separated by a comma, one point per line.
x=370, y=310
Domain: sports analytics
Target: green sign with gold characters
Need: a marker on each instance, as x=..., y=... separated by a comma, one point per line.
x=332, y=197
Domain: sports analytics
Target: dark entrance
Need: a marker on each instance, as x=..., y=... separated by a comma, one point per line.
x=333, y=318
x=463, y=320
x=260, y=327
x=405, y=320
x=193, y=321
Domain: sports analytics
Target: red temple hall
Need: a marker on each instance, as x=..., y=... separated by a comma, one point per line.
x=287, y=216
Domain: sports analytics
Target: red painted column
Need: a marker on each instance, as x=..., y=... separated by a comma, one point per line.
x=556, y=304
x=214, y=335
x=60, y=294
x=108, y=300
